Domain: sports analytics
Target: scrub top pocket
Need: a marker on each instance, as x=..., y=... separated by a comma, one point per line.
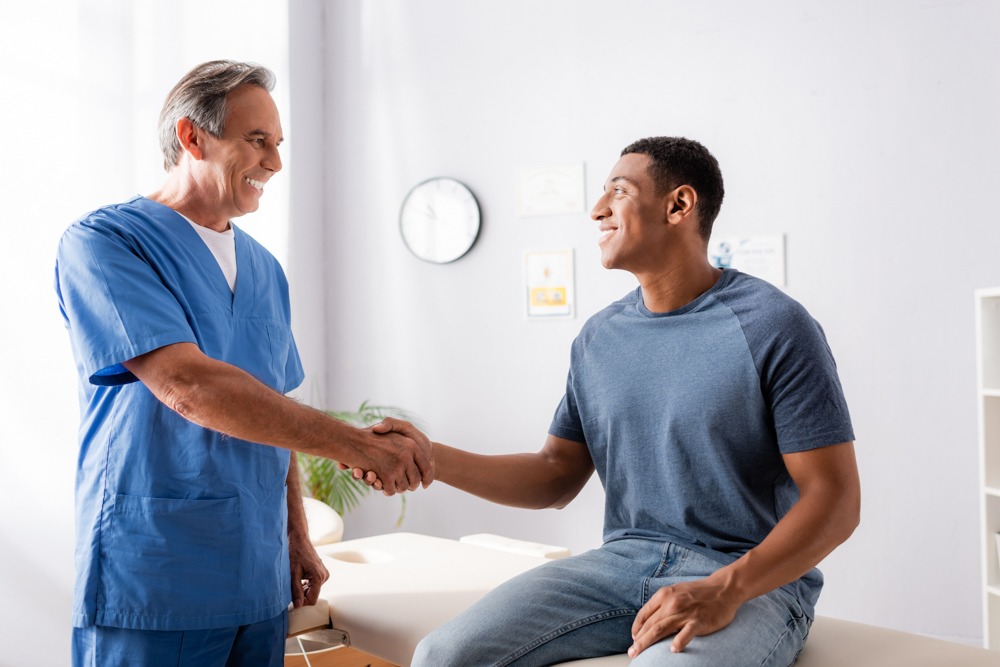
x=167, y=555
x=280, y=339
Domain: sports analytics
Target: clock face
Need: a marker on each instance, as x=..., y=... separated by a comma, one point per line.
x=439, y=220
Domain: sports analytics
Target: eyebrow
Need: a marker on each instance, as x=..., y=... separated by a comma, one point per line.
x=262, y=133
x=621, y=178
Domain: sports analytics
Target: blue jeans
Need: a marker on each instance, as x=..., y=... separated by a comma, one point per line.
x=584, y=606
x=256, y=645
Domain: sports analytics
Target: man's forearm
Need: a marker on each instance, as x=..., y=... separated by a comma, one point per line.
x=825, y=515
x=827, y=512
x=298, y=527
x=549, y=478
x=224, y=398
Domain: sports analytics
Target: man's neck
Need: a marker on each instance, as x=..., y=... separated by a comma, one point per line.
x=677, y=285
x=181, y=196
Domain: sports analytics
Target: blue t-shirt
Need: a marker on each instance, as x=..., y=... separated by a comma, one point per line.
x=687, y=414
x=178, y=527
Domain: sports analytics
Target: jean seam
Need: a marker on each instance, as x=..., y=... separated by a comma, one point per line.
x=682, y=554
x=569, y=627
x=789, y=628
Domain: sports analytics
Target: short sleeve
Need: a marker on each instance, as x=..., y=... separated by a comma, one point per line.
x=114, y=303
x=566, y=423
x=800, y=381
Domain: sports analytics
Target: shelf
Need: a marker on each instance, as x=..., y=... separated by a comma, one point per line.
x=988, y=338
x=988, y=380
x=990, y=425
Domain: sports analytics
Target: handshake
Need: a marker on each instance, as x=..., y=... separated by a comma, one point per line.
x=394, y=456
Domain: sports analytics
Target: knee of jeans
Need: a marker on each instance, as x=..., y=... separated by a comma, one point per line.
x=434, y=651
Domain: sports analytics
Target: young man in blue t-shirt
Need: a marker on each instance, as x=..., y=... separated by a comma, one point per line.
x=708, y=402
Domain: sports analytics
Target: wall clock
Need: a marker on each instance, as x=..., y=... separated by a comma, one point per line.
x=439, y=220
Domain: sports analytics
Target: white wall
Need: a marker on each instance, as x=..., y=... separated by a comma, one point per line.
x=82, y=92
x=865, y=132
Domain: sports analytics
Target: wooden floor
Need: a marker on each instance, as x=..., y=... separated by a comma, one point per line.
x=340, y=656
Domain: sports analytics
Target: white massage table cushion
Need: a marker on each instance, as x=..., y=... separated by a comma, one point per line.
x=325, y=525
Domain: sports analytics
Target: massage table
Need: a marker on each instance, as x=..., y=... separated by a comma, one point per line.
x=386, y=592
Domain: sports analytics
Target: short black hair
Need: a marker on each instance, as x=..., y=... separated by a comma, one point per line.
x=676, y=161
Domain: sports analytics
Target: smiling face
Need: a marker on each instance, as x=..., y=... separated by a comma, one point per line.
x=632, y=217
x=234, y=168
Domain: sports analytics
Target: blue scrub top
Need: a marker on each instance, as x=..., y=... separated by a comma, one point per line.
x=178, y=527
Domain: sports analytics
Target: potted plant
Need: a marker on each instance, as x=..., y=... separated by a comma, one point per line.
x=323, y=479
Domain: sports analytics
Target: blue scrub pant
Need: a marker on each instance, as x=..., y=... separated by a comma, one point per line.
x=259, y=644
x=584, y=606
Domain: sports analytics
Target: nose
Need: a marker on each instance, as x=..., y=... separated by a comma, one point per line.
x=271, y=159
x=601, y=209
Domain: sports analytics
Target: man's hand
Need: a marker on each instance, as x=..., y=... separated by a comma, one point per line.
x=689, y=609
x=307, y=570
x=394, y=429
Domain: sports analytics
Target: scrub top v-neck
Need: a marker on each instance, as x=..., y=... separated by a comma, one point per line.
x=178, y=527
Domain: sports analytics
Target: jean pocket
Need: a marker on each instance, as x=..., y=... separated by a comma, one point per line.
x=181, y=555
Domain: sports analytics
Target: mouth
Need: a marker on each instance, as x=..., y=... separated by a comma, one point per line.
x=606, y=232
x=256, y=185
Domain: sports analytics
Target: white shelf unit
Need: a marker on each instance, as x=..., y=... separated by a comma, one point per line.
x=988, y=385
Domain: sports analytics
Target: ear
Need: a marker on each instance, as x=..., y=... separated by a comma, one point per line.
x=680, y=204
x=189, y=137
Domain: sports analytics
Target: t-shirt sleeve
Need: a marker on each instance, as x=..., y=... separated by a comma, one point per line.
x=114, y=303
x=566, y=422
x=799, y=380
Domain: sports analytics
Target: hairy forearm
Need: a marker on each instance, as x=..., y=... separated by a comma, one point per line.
x=298, y=528
x=224, y=398
x=534, y=481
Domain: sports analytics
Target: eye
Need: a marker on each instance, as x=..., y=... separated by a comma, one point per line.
x=619, y=190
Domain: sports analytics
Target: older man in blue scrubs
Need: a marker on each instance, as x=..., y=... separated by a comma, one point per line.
x=191, y=538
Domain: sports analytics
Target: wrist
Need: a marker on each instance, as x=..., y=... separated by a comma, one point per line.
x=732, y=582
x=298, y=538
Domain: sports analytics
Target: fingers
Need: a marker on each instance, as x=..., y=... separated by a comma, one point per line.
x=640, y=618
x=683, y=638
x=382, y=427
x=404, y=465
x=312, y=593
x=654, y=632
x=421, y=453
x=298, y=594
x=308, y=576
x=648, y=628
x=368, y=478
x=689, y=609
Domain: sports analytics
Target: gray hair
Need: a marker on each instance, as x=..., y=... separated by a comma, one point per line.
x=200, y=96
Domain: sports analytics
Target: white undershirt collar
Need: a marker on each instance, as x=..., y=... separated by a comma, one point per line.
x=223, y=247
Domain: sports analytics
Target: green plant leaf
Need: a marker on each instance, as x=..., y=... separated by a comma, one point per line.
x=324, y=480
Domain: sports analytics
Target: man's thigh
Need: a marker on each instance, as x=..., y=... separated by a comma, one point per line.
x=584, y=607
x=256, y=644
x=768, y=631
x=571, y=608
